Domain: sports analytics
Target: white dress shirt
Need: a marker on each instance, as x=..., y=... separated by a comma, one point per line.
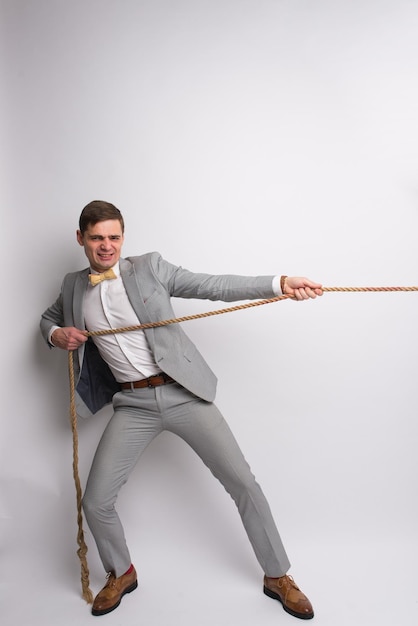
x=128, y=354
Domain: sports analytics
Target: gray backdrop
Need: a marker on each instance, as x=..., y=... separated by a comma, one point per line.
x=241, y=136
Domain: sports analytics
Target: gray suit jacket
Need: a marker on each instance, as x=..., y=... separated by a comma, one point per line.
x=150, y=282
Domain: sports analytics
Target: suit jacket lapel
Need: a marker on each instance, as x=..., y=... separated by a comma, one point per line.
x=80, y=287
x=133, y=289
x=135, y=295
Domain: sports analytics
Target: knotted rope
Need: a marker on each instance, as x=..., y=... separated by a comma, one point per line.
x=82, y=549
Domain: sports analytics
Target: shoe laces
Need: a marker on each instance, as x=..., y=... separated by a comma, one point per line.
x=111, y=579
x=287, y=582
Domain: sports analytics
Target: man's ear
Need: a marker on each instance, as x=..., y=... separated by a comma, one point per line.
x=80, y=238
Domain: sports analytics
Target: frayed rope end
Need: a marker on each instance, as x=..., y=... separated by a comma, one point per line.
x=88, y=595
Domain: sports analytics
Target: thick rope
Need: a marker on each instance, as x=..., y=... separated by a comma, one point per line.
x=82, y=550
x=247, y=305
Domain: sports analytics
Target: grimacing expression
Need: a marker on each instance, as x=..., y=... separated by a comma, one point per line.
x=102, y=244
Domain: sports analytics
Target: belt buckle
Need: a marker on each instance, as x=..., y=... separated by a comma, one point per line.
x=149, y=379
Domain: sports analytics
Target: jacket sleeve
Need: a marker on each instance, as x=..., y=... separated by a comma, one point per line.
x=182, y=283
x=53, y=316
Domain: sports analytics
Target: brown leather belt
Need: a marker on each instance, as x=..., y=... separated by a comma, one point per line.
x=152, y=381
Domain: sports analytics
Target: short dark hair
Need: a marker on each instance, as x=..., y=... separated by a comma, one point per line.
x=99, y=211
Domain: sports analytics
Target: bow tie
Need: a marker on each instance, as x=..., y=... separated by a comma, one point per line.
x=95, y=279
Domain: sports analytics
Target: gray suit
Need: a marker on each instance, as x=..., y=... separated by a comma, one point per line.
x=150, y=282
x=189, y=412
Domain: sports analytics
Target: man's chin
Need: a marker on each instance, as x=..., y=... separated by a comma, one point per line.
x=103, y=266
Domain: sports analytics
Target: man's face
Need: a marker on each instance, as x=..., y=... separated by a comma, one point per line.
x=102, y=244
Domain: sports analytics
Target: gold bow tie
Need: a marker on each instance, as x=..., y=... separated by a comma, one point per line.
x=95, y=279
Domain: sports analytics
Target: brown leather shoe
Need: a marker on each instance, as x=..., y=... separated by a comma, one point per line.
x=112, y=593
x=286, y=591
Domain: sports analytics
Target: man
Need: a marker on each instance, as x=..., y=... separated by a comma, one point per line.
x=156, y=380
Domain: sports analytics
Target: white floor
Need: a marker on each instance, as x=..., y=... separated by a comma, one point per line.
x=194, y=562
x=348, y=584
x=353, y=543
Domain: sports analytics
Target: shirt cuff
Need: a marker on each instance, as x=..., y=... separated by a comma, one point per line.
x=276, y=286
x=53, y=329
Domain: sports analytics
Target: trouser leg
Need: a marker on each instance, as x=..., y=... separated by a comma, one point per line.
x=126, y=436
x=202, y=426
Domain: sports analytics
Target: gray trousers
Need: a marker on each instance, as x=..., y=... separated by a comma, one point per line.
x=139, y=416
